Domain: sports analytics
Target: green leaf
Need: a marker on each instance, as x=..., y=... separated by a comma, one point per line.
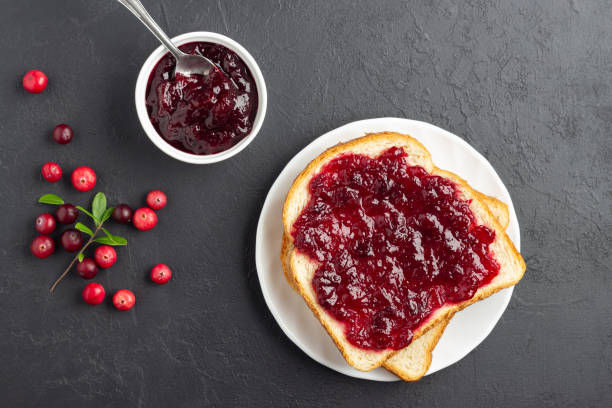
x=83, y=228
x=104, y=240
x=81, y=257
x=119, y=240
x=51, y=199
x=86, y=212
x=111, y=239
x=114, y=241
x=98, y=206
x=107, y=214
x=108, y=234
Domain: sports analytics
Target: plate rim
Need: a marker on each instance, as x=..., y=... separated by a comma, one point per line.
x=260, y=226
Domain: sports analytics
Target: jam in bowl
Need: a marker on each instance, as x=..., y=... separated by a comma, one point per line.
x=196, y=118
x=203, y=114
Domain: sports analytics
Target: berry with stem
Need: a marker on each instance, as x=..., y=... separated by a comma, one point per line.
x=99, y=213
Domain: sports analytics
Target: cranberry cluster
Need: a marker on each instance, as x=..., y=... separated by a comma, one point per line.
x=84, y=179
x=105, y=256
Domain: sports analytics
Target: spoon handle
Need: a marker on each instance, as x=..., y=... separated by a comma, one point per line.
x=141, y=13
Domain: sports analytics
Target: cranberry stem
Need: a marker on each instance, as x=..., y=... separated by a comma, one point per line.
x=63, y=275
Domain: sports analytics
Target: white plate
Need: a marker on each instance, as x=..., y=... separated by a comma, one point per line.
x=466, y=330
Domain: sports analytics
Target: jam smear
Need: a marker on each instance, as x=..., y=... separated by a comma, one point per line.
x=203, y=114
x=393, y=242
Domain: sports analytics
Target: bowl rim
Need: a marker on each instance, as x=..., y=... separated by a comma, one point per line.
x=141, y=88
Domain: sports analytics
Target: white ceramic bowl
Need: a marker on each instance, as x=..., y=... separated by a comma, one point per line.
x=141, y=88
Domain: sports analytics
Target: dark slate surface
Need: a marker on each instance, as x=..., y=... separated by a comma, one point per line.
x=527, y=83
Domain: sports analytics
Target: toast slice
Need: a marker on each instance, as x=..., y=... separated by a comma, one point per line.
x=412, y=362
x=303, y=268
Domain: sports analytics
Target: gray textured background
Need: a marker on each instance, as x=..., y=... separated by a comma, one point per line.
x=527, y=83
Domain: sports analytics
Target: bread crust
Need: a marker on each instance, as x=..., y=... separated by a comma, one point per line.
x=372, y=145
x=398, y=362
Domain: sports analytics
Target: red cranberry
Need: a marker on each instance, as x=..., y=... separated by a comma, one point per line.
x=144, y=219
x=122, y=213
x=83, y=178
x=93, y=294
x=62, y=134
x=34, y=81
x=105, y=256
x=45, y=223
x=42, y=246
x=87, y=268
x=156, y=200
x=71, y=240
x=161, y=274
x=51, y=172
x=66, y=213
x=124, y=299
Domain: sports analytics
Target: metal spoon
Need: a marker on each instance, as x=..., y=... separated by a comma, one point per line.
x=186, y=64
